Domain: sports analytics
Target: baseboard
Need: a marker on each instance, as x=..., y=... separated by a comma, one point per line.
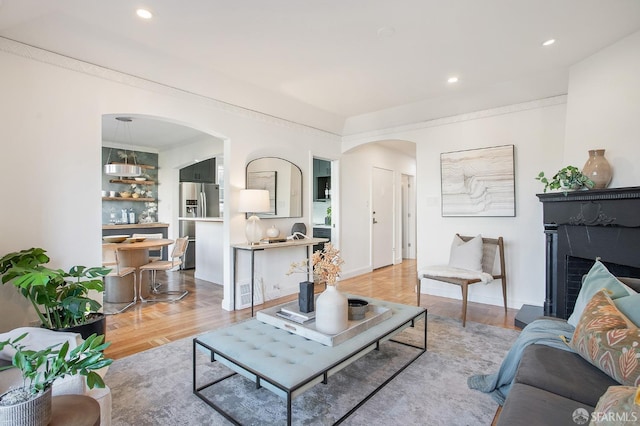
x=356, y=272
x=453, y=292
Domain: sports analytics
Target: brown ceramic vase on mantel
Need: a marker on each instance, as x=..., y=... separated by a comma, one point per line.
x=598, y=169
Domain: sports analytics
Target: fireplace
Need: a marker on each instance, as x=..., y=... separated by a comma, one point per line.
x=583, y=226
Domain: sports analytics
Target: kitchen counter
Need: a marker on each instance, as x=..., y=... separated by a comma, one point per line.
x=136, y=225
x=321, y=226
x=202, y=219
x=209, y=252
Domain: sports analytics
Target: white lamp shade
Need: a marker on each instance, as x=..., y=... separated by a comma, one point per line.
x=254, y=201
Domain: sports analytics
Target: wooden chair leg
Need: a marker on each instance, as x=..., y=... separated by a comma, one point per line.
x=464, y=304
x=504, y=294
x=418, y=291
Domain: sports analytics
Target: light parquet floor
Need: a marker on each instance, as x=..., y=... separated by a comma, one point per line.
x=145, y=326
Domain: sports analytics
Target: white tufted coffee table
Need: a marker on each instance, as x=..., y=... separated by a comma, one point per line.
x=288, y=364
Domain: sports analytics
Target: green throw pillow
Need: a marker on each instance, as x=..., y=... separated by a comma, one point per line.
x=598, y=278
x=630, y=306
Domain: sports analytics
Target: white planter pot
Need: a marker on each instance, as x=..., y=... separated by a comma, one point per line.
x=332, y=311
x=35, y=412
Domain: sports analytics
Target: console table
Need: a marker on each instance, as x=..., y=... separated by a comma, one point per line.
x=253, y=248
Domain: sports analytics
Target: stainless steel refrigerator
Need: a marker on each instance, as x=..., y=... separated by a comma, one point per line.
x=196, y=200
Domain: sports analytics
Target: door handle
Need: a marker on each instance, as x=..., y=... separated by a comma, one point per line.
x=374, y=221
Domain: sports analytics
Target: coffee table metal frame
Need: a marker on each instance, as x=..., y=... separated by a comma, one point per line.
x=289, y=391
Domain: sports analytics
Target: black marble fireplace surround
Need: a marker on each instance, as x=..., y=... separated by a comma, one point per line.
x=582, y=226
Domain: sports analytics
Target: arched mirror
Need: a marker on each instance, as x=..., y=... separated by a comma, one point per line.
x=283, y=180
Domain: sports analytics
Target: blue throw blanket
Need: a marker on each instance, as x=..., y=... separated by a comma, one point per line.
x=541, y=332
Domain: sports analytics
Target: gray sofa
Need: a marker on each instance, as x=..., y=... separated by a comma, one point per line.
x=550, y=384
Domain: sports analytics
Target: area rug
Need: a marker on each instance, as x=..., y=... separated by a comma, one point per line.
x=155, y=387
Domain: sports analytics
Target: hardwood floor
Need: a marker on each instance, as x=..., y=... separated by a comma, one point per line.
x=148, y=325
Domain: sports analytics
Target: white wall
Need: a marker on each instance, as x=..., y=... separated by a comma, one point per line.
x=604, y=110
x=51, y=154
x=356, y=169
x=538, y=138
x=537, y=131
x=601, y=111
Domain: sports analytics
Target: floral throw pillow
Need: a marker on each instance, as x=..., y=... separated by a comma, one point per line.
x=620, y=405
x=608, y=340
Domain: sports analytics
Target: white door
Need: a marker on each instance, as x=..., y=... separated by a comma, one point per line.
x=382, y=217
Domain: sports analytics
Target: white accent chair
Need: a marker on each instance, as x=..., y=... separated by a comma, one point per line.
x=490, y=260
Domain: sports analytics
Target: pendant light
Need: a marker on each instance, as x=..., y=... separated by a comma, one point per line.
x=123, y=169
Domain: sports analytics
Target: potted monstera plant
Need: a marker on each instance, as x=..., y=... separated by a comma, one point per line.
x=30, y=403
x=60, y=298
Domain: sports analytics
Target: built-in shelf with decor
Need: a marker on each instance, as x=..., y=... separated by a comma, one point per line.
x=146, y=187
x=132, y=181
x=127, y=199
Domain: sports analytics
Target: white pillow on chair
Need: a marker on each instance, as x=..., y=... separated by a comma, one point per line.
x=466, y=255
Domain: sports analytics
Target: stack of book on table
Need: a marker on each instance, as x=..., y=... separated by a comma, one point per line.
x=292, y=313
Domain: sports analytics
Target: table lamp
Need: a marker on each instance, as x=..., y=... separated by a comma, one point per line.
x=254, y=201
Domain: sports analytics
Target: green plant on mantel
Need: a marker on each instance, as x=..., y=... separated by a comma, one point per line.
x=567, y=178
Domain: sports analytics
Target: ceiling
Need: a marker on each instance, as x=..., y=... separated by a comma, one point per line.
x=147, y=132
x=333, y=57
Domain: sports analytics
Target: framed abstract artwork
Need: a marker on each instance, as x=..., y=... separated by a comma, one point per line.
x=478, y=182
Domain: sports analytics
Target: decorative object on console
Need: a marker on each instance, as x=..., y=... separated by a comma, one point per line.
x=598, y=169
x=567, y=178
x=253, y=201
x=273, y=232
x=299, y=227
x=123, y=169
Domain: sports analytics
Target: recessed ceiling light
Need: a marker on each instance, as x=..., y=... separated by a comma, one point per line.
x=452, y=80
x=549, y=42
x=144, y=14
